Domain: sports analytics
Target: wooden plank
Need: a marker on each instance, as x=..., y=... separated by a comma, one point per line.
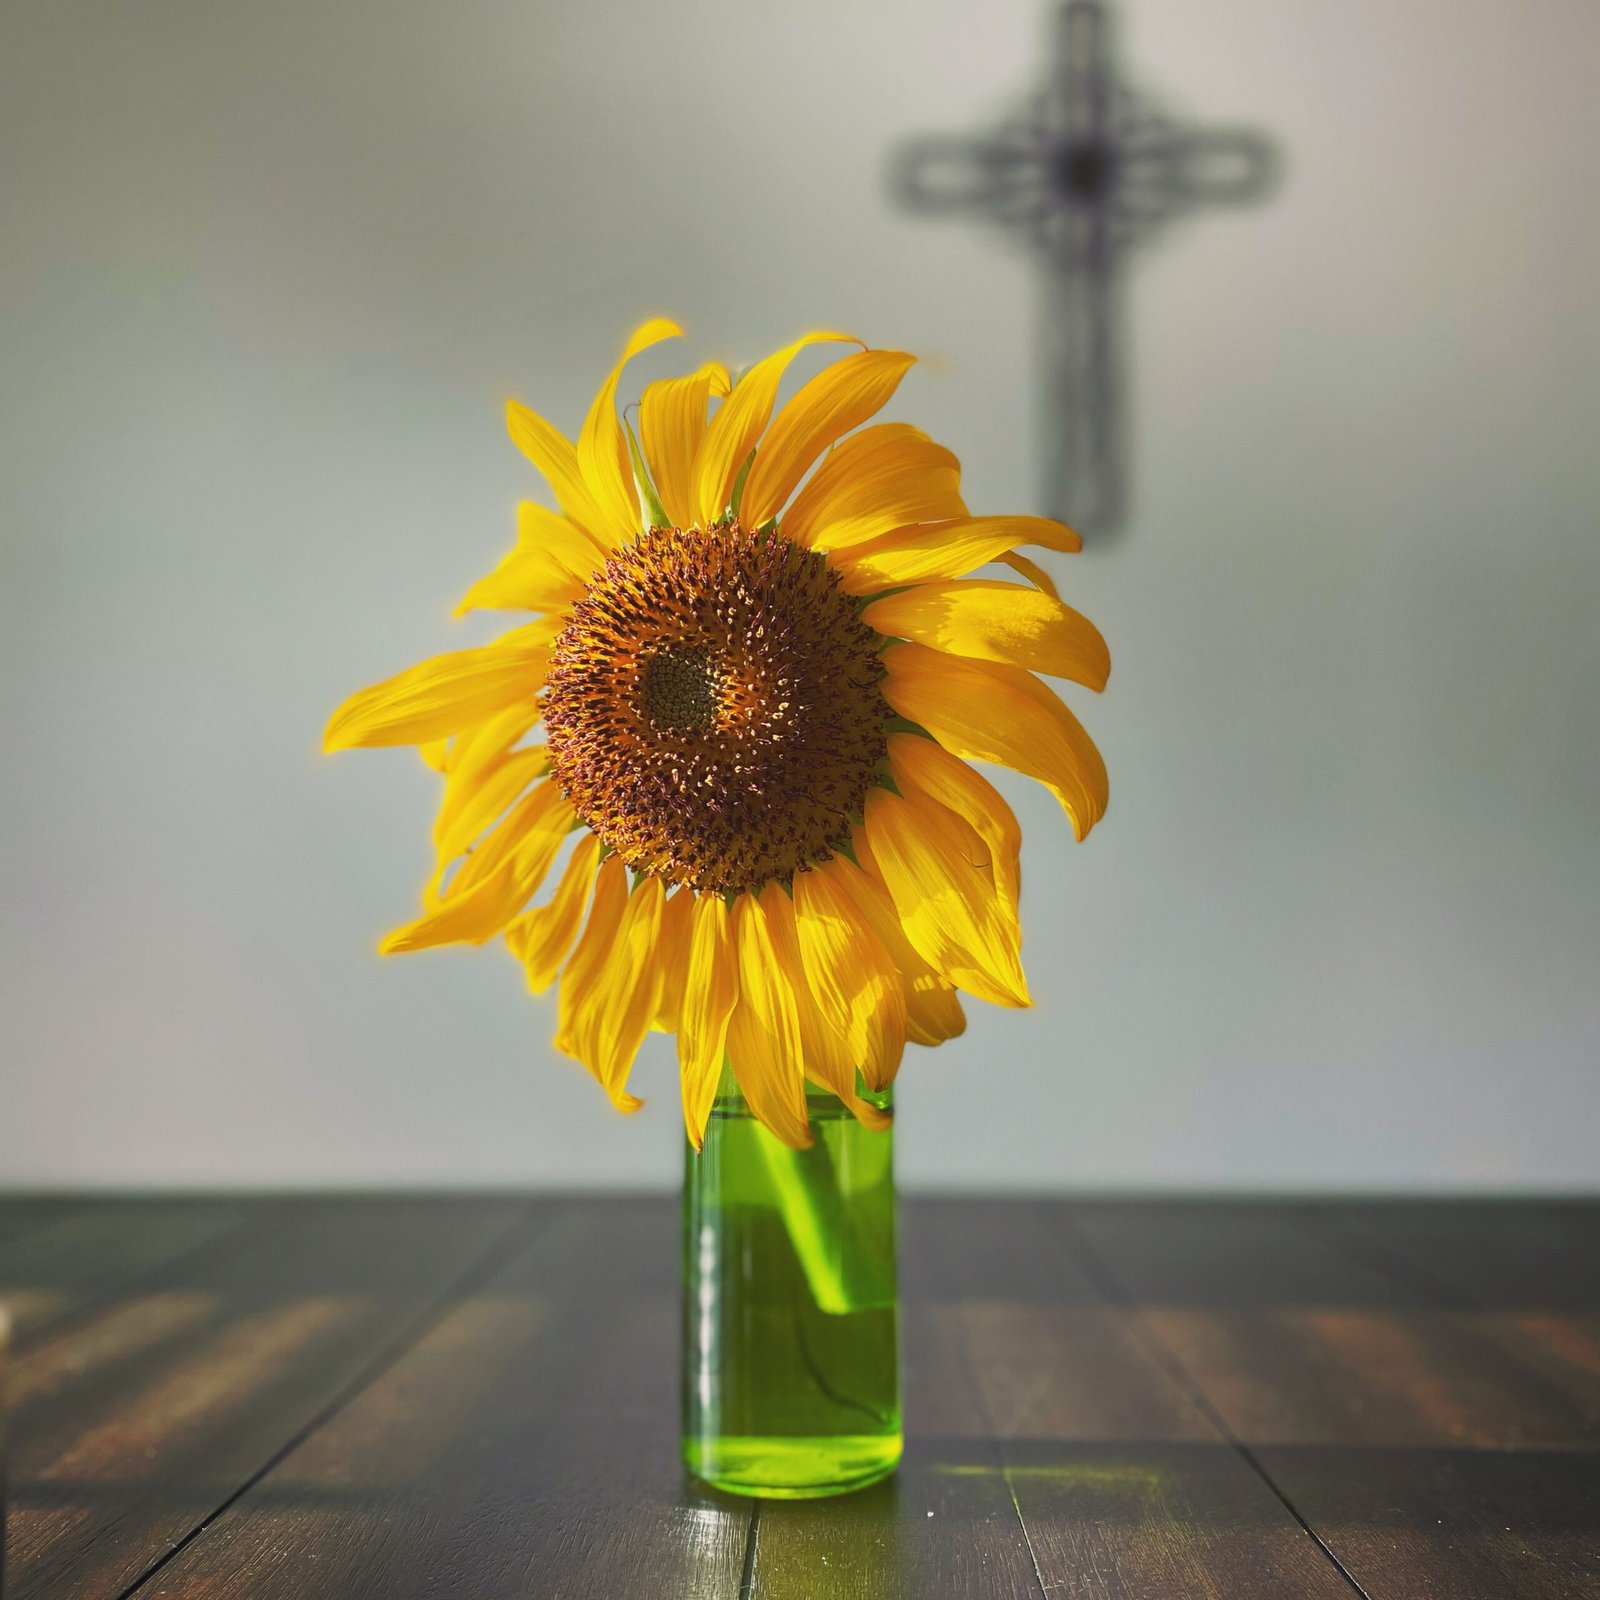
x=1125, y=1486
x=1523, y=1280
x=1295, y=1340
x=1092, y=1396
x=1153, y=1521
x=1528, y=1281
x=1122, y=1486
x=93, y=1251
x=528, y=1444
x=133, y=1425
x=446, y=1478
x=19, y=1213
x=1452, y=1524
x=1501, y=1255
x=1226, y=1253
x=1580, y=1213
x=946, y=1525
x=1006, y=1252
x=1363, y=1399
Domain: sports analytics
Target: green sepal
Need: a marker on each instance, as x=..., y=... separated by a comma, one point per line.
x=655, y=513
x=865, y=600
x=737, y=496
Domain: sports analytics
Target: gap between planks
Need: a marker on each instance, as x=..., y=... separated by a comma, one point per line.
x=1104, y=1277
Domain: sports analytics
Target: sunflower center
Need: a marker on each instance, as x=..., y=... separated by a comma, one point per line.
x=713, y=707
x=678, y=689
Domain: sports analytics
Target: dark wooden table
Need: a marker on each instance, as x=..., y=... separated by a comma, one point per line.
x=474, y=1398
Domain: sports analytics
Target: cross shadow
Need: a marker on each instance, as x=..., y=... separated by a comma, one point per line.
x=1081, y=173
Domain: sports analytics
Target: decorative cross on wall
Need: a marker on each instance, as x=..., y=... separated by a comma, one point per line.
x=1085, y=169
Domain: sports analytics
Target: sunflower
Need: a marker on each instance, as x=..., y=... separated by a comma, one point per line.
x=762, y=669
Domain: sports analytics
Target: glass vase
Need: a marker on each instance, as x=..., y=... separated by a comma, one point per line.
x=791, y=1376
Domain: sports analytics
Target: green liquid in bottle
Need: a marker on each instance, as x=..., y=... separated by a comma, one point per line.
x=791, y=1384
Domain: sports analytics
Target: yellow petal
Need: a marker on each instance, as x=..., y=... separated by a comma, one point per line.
x=829, y=1064
x=672, y=425
x=583, y=977
x=988, y=712
x=1032, y=571
x=603, y=449
x=709, y=993
x=529, y=835
x=494, y=882
x=886, y=477
x=483, y=741
x=542, y=937
x=541, y=631
x=994, y=621
x=478, y=806
x=472, y=917
x=439, y=696
x=479, y=746
x=546, y=570
x=850, y=974
x=924, y=766
x=523, y=581
x=839, y=398
x=738, y=425
x=933, y=1013
x=936, y=869
x=764, y=1045
x=567, y=545
x=943, y=550
x=612, y=1026
x=825, y=1047
x=554, y=455
x=676, y=921
x=473, y=753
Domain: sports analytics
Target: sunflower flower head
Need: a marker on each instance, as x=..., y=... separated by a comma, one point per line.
x=762, y=665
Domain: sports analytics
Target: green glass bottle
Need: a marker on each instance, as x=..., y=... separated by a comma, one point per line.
x=791, y=1375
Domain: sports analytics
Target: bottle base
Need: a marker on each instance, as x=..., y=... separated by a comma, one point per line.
x=792, y=1469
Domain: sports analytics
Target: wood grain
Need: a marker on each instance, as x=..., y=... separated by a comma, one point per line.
x=1049, y=1452
x=1452, y=1524
x=527, y=1445
x=460, y=1398
x=1506, y=1256
x=1362, y=1397
x=134, y=1425
x=1125, y=1486
x=78, y=1256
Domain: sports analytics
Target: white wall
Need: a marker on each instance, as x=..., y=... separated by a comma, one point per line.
x=266, y=276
